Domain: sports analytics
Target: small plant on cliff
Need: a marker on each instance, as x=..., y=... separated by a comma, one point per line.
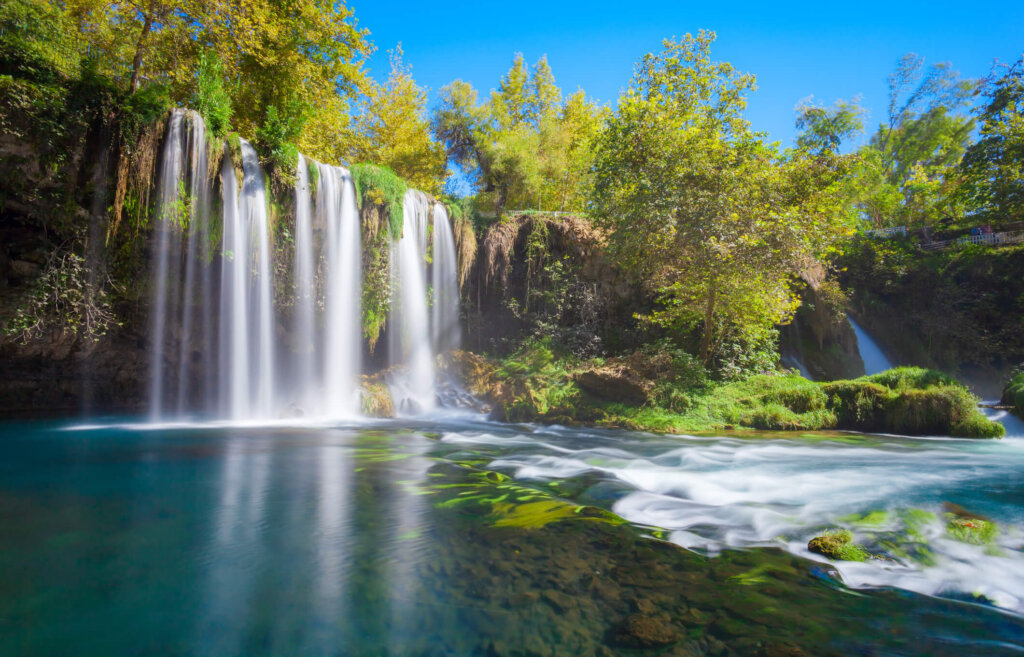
x=211, y=98
x=65, y=301
x=381, y=186
x=276, y=138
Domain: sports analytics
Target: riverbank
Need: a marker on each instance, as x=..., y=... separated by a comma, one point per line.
x=668, y=392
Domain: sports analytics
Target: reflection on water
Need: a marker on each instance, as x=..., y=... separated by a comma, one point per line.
x=481, y=539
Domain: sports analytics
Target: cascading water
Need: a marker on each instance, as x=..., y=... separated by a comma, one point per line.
x=444, y=330
x=223, y=329
x=410, y=329
x=336, y=209
x=182, y=242
x=874, y=360
x=303, y=339
x=247, y=311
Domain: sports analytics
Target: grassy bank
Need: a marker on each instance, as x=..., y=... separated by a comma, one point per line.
x=669, y=392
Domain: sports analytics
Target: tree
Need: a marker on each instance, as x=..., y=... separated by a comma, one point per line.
x=393, y=130
x=713, y=219
x=910, y=174
x=524, y=147
x=824, y=129
x=993, y=168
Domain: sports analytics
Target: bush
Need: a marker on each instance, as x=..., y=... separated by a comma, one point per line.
x=382, y=186
x=276, y=138
x=211, y=98
x=904, y=378
x=1013, y=394
x=978, y=426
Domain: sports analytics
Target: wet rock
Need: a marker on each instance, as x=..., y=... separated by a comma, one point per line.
x=643, y=631
x=560, y=601
x=616, y=383
x=838, y=545
x=781, y=650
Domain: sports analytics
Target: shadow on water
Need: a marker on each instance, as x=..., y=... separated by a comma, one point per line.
x=411, y=539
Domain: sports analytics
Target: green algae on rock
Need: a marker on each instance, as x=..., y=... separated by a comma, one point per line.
x=838, y=544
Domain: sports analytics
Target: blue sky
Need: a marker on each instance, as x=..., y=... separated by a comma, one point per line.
x=826, y=49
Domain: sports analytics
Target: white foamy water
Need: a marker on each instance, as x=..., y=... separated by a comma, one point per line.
x=736, y=493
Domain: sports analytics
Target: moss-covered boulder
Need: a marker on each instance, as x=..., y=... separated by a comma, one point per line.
x=616, y=382
x=838, y=544
x=376, y=398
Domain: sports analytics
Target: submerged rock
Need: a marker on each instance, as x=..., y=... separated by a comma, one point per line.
x=643, y=631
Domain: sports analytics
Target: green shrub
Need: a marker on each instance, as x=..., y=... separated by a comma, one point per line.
x=276, y=138
x=858, y=405
x=977, y=425
x=934, y=411
x=1013, y=394
x=211, y=98
x=382, y=186
x=904, y=378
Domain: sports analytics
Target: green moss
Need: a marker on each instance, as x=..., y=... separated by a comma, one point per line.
x=381, y=186
x=313, y=174
x=978, y=426
x=904, y=378
x=971, y=530
x=838, y=544
x=1013, y=394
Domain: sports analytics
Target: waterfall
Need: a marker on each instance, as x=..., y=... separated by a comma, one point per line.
x=336, y=208
x=181, y=242
x=234, y=286
x=445, y=280
x=874, y=360
x=223, y=346
x=410, y=329
x=166, y=236
x=303, y=340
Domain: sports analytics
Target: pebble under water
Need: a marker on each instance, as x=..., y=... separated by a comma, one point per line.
x=460, y=537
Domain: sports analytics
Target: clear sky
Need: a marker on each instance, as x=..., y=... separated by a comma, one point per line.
x=826, y=49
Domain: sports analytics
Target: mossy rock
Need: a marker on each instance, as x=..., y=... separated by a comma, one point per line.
x=1013, y=394
x=838, y=544
x=376, y=400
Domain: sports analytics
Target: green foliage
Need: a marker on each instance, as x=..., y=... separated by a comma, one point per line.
x=211, y=98
x=971, y=530
x=394, y=132
x=702, y=211
x=63, y=301
x=525, y=147
x=824, y=129
x=907, y=174
x=904, y=378
x=941, y=309
x=39, y=41
x=276, y=138
x=1013, y=394
x=376, y=185
x=993, y=183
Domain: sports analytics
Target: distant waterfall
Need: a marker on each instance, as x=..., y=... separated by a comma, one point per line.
x=874, y=360
x=230, y=341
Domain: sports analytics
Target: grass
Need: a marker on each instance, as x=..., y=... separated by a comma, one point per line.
x=536, y=385
x=381, y=186
x=838, y=544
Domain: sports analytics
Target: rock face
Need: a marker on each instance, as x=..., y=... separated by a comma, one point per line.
x=616, y=383
x=820, y=335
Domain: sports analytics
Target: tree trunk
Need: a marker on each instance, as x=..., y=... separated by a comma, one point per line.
x=140, y=47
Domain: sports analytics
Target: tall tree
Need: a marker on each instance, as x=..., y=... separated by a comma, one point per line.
x=526, y=146
x=393, y=129
x=704, y=211
x=993, y=168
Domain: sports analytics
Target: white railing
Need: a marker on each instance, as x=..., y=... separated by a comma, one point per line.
x=888, y=232
x=1012, y=237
